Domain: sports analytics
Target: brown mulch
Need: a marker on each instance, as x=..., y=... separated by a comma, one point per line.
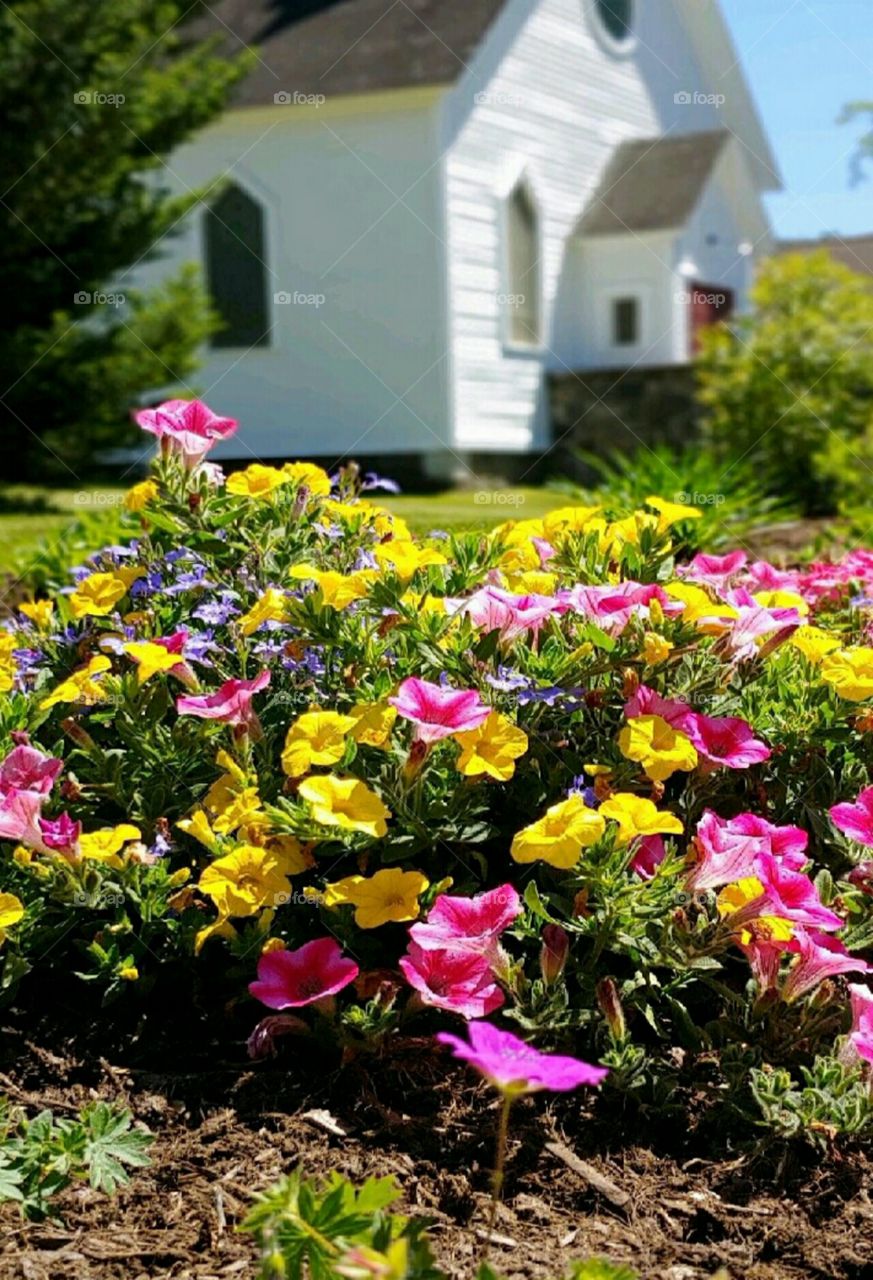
x=670, y=1203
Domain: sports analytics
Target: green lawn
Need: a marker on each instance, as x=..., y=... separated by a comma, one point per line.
x=30, y=516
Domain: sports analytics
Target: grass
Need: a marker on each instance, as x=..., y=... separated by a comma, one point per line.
x=31, y=516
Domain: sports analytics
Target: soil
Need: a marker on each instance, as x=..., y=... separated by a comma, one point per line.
x=674, y=1201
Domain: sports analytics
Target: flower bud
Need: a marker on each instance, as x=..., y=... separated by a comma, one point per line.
x=417, y=756
x=862, y=877
x=630, y=682
x=610, y=1004
x=553, y=953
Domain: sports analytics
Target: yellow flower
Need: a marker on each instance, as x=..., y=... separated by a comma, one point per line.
x=627, y=532
x=533, y=582
x=8, y=668
x=220, y=928
x=316, y=480
x=39, y=611
x=99, y=593
x=566, y=520
x=141, y=495
x=270, y=607
x=290, y=854
x=850, y=673
x=781, y=600
x=389, y=895
x=700, y=609
x=672, y=512
x=637, y=816
x=316, y=737
x=257, y=481
x=338, y=590
x=345, y=803
x=814, y=643
x=560, y=835
x=237, y=810
x=129, y=973
x=405, y=558
x=242, y=882
x=106, y=844
x=424, y=605
x=656, y=648
x=199, y=829
x=657, y=746
x=493, y=748
x=151, y=659
x=80, y=687
x=373, y=722
x=11, y=911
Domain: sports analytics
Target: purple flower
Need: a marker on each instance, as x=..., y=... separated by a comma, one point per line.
x=372, y=481
x=515, y=1067
x=215, y=613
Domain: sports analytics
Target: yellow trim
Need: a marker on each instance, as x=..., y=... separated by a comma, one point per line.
x=334, y=105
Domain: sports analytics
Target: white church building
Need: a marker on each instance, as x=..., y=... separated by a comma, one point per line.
x=419, y=210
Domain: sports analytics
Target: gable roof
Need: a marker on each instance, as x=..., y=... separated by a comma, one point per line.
x=347, y=46
x=855, y=252
x=652, y=184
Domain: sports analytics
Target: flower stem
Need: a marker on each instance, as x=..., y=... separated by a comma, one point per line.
x=497, y=1175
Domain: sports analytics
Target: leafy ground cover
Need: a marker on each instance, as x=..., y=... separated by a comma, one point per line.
x=572, y=798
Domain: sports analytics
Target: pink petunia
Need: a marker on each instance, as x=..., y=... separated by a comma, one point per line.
x=723, y=855
x=819, y=957
x=646, y=702
x=791, y=895
x=471, y=925
x=493, y=609
x=189, y=427
x=860, y=1040
x=725, y=740
x=20, y=818
x=61, y=834
x=232, y=704
x=612, y=607
x=856, y=820
x=291, y=979
x=27, y=769
x=459, y=982
x=714, y=571
x=649, y=853
x=788, y=844
x=439, y=712
x=516, y=1067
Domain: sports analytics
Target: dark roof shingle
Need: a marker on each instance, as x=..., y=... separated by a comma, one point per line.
x=855, y=252
x=652, y=184
x=347, y=46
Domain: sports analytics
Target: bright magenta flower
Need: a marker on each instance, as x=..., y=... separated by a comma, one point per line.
x=232, y=704
x=291, y=979
x=791, y=895
x=819, y=957
x=860, y=1041
x=516, y=1067
x=724, y=740
x=457, y=981
x=649, y=853
x=714, y=571
x=439, y=712
x=19, y=818
x=856, y=820
x=788, y=844
x=472, y=925
x=723, y=855
x=189, y=426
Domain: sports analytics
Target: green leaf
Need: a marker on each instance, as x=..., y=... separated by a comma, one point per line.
x=112, y=1144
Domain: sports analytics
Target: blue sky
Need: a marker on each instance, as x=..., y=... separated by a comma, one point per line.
x=804, y=60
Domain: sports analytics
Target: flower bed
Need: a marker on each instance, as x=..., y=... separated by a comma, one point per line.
x=275, y=756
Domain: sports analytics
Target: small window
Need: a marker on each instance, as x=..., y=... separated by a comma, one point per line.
x=523, y=252
x=236, y=273
x=616, y=17
x=625, y=322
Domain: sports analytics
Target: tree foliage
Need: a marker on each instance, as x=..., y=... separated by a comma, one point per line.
x=94, y=96
x=789, y=387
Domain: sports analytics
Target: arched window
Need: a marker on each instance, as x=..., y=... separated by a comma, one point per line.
x=236, y=273
x=523, y=258
x=616, y=17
